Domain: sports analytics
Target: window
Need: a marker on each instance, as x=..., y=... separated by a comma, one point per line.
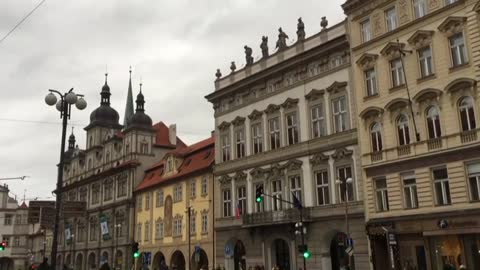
x=147, y=201
x=16, y=241
x=425, y=61
x=339, y=106
x=467, y=114
x=336, y=61
x=225, y=141
x=449, y=2
x=376, y=134
x=177, y=193
x=403, y=131
x=419, y=8
x=193, y=189
x=93, y=231
x=366, y=30
x=318, y=121
x=193, y=223
x=139, y=232
x=227, y=203
x=381, y=194
x=396, y=70
x=144, y=148
x=81, y=232
x=204, y=186
x=108, y=191
x=159, y=199
x=371, y=82
x=242, y=201
x=323, y=193
x=292, y=128
x=83, y=195
x=240, y=143
x=410, y=190
x=433, y=123
x=474, y=180
x=159, y=230
x=72, y=196
x=274, y=130
x=139, y=203
x=343, y=173
x=441, y=186
x=296, y=187
x=95, y=194
x=277, y=195
x=257, y=139
x=147, y=231
x=259, y=206
x=121, y=188
x=8, y=219
x=391, y=19
x=458, y=50
x=204, y=223
x=177, y=227
x=169, y=164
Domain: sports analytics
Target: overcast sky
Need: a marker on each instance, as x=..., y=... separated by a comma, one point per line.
x=174, y=46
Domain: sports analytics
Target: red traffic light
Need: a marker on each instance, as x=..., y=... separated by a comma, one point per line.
x=3, y=245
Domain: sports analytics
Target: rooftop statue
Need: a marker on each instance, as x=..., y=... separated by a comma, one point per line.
x=264, y=46
x=300, y=29
x=282, y=40
x=248, y=55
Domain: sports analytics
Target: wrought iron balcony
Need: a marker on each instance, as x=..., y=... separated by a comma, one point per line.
x=275, y=217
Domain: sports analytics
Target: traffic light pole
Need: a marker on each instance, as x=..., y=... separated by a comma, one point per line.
x=303, y=240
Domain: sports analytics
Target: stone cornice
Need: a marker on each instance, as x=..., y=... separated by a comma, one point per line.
x=314, y=94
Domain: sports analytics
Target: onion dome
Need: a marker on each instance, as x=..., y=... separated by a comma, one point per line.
x=140, y=119
x=104, y=115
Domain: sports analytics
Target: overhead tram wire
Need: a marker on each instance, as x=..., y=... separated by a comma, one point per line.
x=22, y=20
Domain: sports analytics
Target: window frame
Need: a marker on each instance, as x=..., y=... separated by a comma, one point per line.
x=412, y=196
x=366, y=30
x=391, y=23
x=295, y=187
x=381, y=195
x=239, y=136
x=318, y=121
x=403, y=128
x=473, y=176
x=471, y=124
x=434, y=126
x=376, y=135
x=275, y=134
x=340, y=192
x=257, y=137
x=325, y=187
x=446, y=193
x=373, y=90
x=397, y=76
x=458, y=52
x=277, y=192
x=226, y=202
x=426, y=65
x=225, y=146
x=342, y=114
x=417, y=4
x=292, y=129
x=241, y=199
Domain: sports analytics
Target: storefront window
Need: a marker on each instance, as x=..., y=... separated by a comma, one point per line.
x=447, y=251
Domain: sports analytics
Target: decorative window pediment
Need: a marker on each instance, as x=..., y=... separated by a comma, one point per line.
x=318, y=159
x=314, y=94
x=223, y=126
x=272, y=108
x=392, y=50
x=421, y=38
x=367, y=61
x=396, y=104
x=452, y=25
x=290, y=103
x=178, y=216
x=476, y=8
x=342, y=153
x=240, y=176
x=336, y=86
x=427, y=94
x=204, y=211
x=461, y=84
x=293, y=165
x=224, y=179
x=238, y=121
x=257, y=172
x=372, y=111
x=255, y=115
x=275, y=171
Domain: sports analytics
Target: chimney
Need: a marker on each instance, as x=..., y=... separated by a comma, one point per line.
x=172, y=134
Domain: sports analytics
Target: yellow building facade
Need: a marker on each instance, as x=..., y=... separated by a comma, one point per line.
x=416, y=68
x=181, y=181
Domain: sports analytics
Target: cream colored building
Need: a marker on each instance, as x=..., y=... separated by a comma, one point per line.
x=286, y=123
x=418, y=103
x=182, y=180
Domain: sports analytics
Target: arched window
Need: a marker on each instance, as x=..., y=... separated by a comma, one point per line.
x=433, y=123
x=403, y=131
x=467, y=114
x=376, y=135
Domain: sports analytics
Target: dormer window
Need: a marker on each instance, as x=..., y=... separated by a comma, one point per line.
x=169, y=164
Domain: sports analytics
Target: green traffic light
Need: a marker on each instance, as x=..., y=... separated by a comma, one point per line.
x=307, y=254
x=136, y=255
x=259, y=199
x=2, y=248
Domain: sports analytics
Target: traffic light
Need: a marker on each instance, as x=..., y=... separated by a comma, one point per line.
x=3, y=246
x=303, y=249
x=259, y=194
x=136, y=252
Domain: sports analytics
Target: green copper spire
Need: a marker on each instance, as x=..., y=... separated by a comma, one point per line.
x=129, y=106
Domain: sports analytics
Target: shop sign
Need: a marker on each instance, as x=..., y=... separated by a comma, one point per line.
x=392, y=259
x=228, y=250
x=391, y=239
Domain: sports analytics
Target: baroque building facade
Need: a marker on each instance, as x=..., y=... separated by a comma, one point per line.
x=174, y=209
x=286, y=124
x=104, y=176
x=416, y=68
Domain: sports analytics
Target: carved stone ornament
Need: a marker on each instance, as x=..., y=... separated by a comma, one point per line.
x=293, y=165
x=396, y=103
x=238, y=121
x=255, y=115
x=275, y=171
x=461, y=84
x=342, y=153
x=392, y=50
x=120, y=213
x=272, y=108
x=290, y=103
x=452, y=25
x=427, y=94
x=421, y=39
x=93, y=219
x=314, y=94
x=224, y=179
x=240, y=176
x=204, y=211
x=318, y=159
x=224, y=125
x=178, y=216
x=433, y=4
x=159, y=219
x=336, y=86
x=371, y=112
x=367, y=61
x=403, y=16
x=257, y=172
x=377, y=24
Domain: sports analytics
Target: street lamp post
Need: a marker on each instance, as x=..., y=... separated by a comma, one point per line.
x=346, y=182
x=64, y=106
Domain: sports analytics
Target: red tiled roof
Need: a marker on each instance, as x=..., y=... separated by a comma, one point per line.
x=162, y=136
x=196, y=157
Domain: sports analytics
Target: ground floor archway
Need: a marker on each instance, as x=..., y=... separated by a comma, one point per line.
x=79, y=262
x=68, y=260
x=104, y=259
x=199, y=260
x=91, y=261
x=159, y=262
x=338, y=255
x=118, y=261
x=177, y=262
x=281, y=254
x=6, y=263
x=239, y=253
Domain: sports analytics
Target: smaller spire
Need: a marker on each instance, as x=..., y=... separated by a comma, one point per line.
x=71, y=141
x=140, y=101
x=129, y=105
x=106, y=77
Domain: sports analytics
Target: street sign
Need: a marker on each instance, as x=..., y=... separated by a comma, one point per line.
x=228, y=251
x=349, y=242
x=349, y=251
x=391, y=239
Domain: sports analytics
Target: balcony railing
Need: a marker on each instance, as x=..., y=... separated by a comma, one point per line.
x=284, y=216
x=468, y=136
x=435, y=143
x=377, y=156
x=403, y=150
